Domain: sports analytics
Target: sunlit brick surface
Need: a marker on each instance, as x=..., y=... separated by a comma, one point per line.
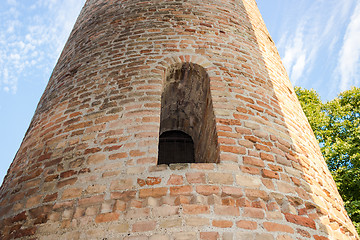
x=87, y=168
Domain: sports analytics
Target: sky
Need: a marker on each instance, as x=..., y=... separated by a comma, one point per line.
x=318, y=41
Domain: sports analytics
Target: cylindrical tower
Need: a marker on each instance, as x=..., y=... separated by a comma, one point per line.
x=170, y=119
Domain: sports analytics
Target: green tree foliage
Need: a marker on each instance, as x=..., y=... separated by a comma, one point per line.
x=336, y=125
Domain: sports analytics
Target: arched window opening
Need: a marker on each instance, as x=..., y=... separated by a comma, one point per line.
x=175, y=147
x=186, y=108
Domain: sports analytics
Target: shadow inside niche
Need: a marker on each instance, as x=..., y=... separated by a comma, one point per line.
x=186, y=106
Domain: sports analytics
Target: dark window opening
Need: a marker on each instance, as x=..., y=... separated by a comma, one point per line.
x=175, y=147
x=187, y=114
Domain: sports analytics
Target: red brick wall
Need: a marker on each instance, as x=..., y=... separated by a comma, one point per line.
x=87, y=166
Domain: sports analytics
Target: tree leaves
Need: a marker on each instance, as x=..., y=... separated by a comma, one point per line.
x=336, y=125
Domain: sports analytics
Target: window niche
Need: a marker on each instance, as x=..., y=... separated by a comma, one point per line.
x=187, y=118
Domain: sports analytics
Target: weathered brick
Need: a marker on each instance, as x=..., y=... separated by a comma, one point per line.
x=135, y=170
x=40, y=211
x=181, y=199
x=165, y=211
x=303, y=233
x=270, y=174
x=209, y=235
x=95, y=159
x=138, y=213
x=184, y=235
x=276, y=227
x=107, y=217
x=118, y=156
x=92, y=150
x=250, y=225
x=70, y=181
x=253, y=212
x=120, y=228
x=144, y=226
x=91, y=200
x=141, y=182
x=119, y=206
x=51, y=178
x=136, y=153
x=96, y=188
x=228, y=202
x=276, y=168
x=285, y=187
x=67, y=174
x=182, y=190
x=233, y=149
x=284, y=237
x=232, y=191
x=222, y=223
x=253, y=161
x=175, y=180
x=195, y=209
x=159, y=237
x=152, y=192
x=197, y=221
x=121, y=184
x=71, y=193
x=25, y=232
x=296, y=181
x=171, y=223
x=254, y=194
x=128, y=195
x=300, y=220
x=250, y=170
x=196, y=177
x=153, y=181
x=317, y=237
x=33, y=201
x=202, y=166
x=66, y=204
x=50, y=197
x=267, y=157
x=207, y=190
x=226, y=210
x=19, y=217
x=106, y=119
x=248, y=181
x=220, y=178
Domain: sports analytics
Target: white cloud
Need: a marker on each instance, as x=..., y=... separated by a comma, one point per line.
x=349, y=59
x=32, y=37
x=299, y=67
x=313, y=35
x=11, y=2
x=6, y=75
x=14, y=57
x=295, y=54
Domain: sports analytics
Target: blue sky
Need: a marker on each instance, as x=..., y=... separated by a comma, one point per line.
x=318, y=40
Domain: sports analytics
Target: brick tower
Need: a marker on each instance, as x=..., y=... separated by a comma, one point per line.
x=167, y=120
